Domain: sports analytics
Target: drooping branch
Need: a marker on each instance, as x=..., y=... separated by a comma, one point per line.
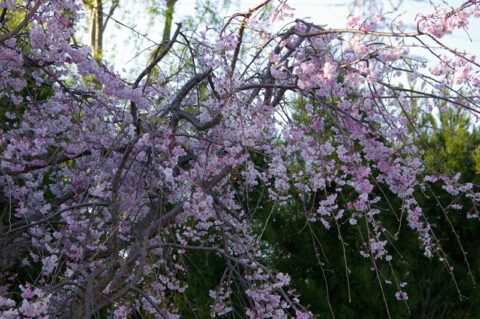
x=158, y=57
x=196, y=122
x=146, y=72
x=4, y=37
x=44, y=163
x=113, y=7
x=243, y=24
x=187, y=87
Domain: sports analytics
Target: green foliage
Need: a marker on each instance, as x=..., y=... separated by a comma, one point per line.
x=451, y=144
x=204, y=272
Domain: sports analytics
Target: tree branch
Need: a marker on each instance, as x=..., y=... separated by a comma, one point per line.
x=21, y=25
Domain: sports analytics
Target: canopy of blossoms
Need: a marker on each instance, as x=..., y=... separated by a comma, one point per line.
x=106, y=184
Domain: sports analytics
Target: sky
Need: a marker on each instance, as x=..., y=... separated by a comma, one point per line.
x=334, y=13
x=127, y=49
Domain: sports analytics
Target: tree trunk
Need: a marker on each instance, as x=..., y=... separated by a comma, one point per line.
x=95, y=9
